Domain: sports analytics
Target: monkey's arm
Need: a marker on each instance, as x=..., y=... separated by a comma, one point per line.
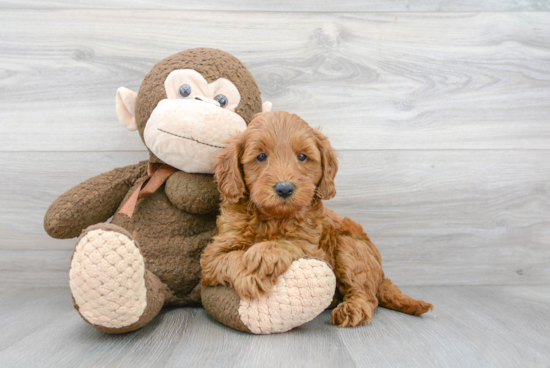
x=91, y=202
x=193, y=193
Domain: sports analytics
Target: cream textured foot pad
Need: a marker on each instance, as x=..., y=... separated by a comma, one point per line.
x=107, y=279
x=301, y=294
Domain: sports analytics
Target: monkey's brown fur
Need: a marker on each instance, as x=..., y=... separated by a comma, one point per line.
x=173, y=225
x=261, y=234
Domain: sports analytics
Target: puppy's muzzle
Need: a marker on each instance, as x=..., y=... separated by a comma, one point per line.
x=284, y=189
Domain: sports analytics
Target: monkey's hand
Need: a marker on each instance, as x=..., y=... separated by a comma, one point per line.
x=91, y=202
x=193, y=193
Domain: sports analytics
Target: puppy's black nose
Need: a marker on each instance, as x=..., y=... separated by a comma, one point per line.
x=284, y=189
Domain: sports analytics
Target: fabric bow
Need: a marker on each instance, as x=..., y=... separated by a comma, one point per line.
x=157, y=174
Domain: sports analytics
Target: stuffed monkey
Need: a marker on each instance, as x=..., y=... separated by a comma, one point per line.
x=163, y=210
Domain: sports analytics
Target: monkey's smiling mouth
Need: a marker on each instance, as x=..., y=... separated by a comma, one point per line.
x=190, y=139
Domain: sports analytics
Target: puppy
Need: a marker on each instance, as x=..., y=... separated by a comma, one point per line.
x=273, y=178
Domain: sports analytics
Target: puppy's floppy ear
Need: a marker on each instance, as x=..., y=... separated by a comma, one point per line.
x=326, y=188
x=229, y=174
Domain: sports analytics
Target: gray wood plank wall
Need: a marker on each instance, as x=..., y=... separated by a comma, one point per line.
x=441, y=111
x=310, y=6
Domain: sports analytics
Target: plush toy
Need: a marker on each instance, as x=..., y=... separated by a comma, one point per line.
x=164, y=209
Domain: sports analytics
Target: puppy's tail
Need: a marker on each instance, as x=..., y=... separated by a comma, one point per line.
x=389, y=296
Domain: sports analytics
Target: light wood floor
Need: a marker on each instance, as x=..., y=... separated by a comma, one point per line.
x=480, y=326
x=440, y=109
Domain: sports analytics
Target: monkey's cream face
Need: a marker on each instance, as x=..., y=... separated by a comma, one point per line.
x=190, y=127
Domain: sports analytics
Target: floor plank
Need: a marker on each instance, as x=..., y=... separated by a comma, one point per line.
x=373, y=80
x=490, y=326
x=471, y=326
x=290, y=5
x=439, y=217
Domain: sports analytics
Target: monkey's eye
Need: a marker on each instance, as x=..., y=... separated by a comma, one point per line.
x=262, y=157
x=222, y=100
x=185, y=90
x=302, y=157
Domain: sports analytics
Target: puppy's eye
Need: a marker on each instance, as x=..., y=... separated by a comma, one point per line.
x=302, y=157
x=185, y=90
x=222, y=100
x=262, y=157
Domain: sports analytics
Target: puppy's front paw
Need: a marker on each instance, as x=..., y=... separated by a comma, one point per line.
x=267, y=261
x=352, y=312
x=253, y=286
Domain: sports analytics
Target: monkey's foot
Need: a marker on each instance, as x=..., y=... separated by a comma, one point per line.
x=110, y=286
x=301, y=294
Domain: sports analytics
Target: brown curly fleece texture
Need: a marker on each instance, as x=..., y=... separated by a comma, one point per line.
x=222, y=303
x=173, y=225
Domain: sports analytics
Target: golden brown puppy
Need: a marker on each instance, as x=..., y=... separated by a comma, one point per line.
x=273, y=177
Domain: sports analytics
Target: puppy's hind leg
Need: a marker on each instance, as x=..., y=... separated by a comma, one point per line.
x=358, y=273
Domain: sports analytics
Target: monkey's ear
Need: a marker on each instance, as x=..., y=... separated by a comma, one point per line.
x=329, y=157
x=229, y=174
x=126, y=107
x=266, y=106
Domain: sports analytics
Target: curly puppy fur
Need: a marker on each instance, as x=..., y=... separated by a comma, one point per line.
x=262, y=233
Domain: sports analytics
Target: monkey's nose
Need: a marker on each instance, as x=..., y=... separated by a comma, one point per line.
x=284, y=189
x=206, y=99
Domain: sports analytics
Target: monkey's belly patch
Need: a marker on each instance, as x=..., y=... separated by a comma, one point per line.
x=301, y=294
x=107, y=279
